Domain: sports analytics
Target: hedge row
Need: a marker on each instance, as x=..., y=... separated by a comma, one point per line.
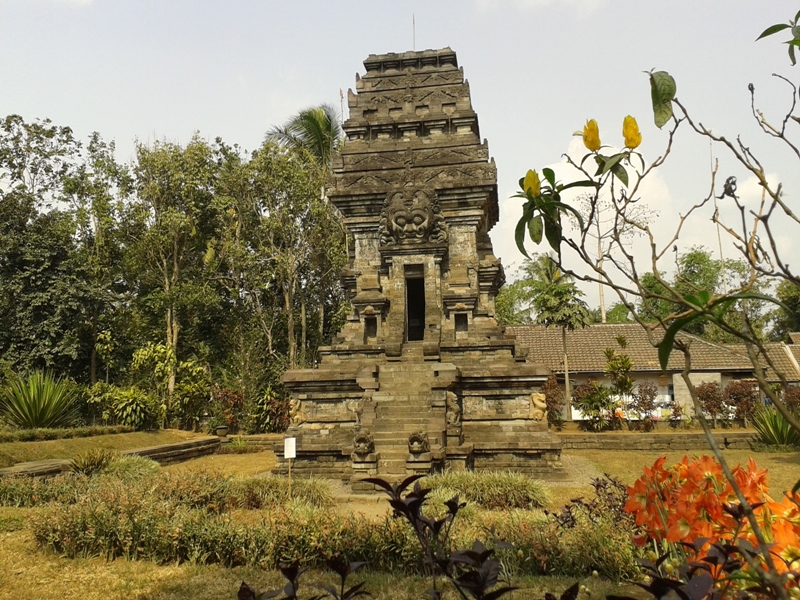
x=40, y=435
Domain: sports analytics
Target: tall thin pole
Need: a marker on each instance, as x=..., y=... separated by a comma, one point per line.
x=567, y=389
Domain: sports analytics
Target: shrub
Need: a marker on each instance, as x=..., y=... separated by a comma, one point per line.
x=135, y=408
x=26, y=492
x=492, y=489
x=268, y=413
x=774, y=429
x=41, y=400
x=595, y=403
x=644, y=403
x=131, y=467
x=226, y=408
x=554, y=399
x=743, y=396
x=256, y=493
x=39, y=435
x=92, y=461
x=239, y=445
x=792, y=399
x=712, y=400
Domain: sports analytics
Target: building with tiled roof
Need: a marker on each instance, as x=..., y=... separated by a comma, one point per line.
x=784, y=359
x=711, y=362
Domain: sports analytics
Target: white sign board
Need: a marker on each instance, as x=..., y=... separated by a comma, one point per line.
x=290, y=448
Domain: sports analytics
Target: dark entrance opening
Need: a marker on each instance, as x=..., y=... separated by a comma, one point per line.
x=415, y=309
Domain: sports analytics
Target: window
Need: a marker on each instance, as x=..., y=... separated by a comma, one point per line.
x=462, y=323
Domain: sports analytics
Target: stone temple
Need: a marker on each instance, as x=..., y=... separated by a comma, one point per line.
x=421, y=377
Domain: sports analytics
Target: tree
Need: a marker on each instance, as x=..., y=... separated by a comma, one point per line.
x=298, y=231
x=171, y=222
x=786, y=318
x=95, y=190
x=618, y=313
x=43, y=293
x=556, y=300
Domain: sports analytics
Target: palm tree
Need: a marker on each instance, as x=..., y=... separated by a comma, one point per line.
x=316, y=130
x=557, y=302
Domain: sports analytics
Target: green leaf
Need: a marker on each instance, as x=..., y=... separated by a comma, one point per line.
x=536, y=228
x=773, y=29
x=521, y=185
x=752, y=296
x=601, y=163
x=566, y=207
x=552, y=231
x=662, y=92
x=793, y=42
x=610, y=161
x=584, y=183
x=620, y=173
x=519, y=234
x=791, y=55
x=666, y=345
x=549, y=175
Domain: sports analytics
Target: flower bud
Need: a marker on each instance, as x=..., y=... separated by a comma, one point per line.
x=630, y=131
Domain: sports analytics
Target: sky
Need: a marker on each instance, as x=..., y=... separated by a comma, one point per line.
x=149, y=70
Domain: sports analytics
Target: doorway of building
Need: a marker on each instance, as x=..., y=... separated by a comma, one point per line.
x=415, y=307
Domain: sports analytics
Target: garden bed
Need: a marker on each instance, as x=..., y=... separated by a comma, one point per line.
x=12, y=453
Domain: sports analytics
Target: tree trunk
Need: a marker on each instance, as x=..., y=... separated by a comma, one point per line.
x=567, y=390
x=321, y=321
x=93, y=355
x=303, y=328
x=600, y=266
x=288, y=301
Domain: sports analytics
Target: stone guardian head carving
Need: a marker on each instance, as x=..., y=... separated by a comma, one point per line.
x=412, y=216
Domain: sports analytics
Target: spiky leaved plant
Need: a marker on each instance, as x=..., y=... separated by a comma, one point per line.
x=774, y=429
x=40, y=400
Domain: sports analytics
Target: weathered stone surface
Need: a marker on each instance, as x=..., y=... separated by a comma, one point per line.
x=421, y=355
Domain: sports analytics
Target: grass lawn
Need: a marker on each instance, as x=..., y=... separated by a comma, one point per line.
x=783, y=467
x=16, y=452
x=235, y=464
x=27, y=573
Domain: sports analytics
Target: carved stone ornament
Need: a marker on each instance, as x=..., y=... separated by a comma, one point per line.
x=538, y=406
x=363, y=444
x=296, y=416
x=418, y=442
x=412, y=215
x=453, y=409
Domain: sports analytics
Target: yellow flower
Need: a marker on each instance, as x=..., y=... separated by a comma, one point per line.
x=591, y=135
x=532, y=183
x=630, y=129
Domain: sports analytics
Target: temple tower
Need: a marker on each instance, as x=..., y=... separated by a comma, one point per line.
x=421, y=377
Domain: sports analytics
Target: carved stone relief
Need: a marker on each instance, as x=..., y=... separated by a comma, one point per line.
x=418, y=442
x=453, y=409
x=412, y=215
x=538, y=406
x=363, y=444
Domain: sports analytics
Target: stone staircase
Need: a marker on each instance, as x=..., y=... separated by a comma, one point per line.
x=403, y=405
